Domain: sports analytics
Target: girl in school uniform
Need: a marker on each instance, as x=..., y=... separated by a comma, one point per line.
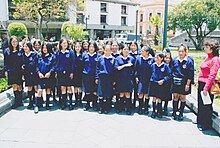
x=30, y=60
x=160, y=75
x=85, y=46
x=182, y=74
x=90, y=60
x=168, y=97
x=65, y=68
x=13, y=69
x=37, y=45
x=142, y=77
x=45, y=70
x=105, y=78
x=77, y=80
x=115, y=49
x=133, y=47
x=124, y=84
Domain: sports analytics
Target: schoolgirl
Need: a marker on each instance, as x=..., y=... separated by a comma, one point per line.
x=30, y=60
x=37, y=45
x=65, y=68
x=13, y=69
x=77, y=80
x=168, y=97
x=142, y=77
x=89, y=68
x=161, y=73
x=105, y=78
x=85, y=46
x=182, y=74
x=133, y=47
x=45, y=70
x=124, y=84
x=115, y=49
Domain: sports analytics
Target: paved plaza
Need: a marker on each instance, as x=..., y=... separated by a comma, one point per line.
x=56, y=128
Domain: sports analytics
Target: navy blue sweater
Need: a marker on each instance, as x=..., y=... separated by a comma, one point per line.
x=127, y=72
x=105, y=66
x=30, y=63
x=184, y=69
x=161, y=72
x=46, y=64
x=65, y=62
x=89, y=63
x=143, y=67
x=12, y=61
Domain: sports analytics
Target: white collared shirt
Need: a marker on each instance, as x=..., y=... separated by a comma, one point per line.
x=160, y=64
x=147, y=57
x=28, y=53
x=181, y=60
x=107, y=57
x=66, y=51
x=134, y=52
x=91, y=54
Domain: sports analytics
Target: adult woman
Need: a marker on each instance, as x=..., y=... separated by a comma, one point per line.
x=30, y=60
x=13, y=70
x=208, y=71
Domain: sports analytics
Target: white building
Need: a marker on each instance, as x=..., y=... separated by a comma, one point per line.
x=4, y=13
x=108, y=17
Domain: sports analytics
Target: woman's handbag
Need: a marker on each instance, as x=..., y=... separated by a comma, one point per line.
x=215, y=89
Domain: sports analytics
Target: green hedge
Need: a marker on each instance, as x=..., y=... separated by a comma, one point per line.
x=4, y=84
x=17, y=29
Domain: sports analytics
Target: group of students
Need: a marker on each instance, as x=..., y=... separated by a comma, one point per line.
x=118, y=70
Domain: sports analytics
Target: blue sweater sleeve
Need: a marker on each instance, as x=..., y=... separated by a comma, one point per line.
x=52, y=70
x=73, y=62
x=97, y=69
x=6, y=53
x=168, y=73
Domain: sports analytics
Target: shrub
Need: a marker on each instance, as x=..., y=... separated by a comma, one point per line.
x=17, y=29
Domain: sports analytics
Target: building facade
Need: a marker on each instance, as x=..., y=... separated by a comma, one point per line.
x=150, y=8
x=105, y=18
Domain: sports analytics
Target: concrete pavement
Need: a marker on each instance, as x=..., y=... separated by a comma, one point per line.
x=78, y=129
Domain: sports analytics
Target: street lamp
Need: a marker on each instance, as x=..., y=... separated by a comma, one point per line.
x=136, y=32
x=165, y=24
x=86, y=21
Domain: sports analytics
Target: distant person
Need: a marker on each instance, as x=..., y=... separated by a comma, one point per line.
x=5, y=43
x=143, y=42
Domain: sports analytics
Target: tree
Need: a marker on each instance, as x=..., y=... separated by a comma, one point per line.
x=74, y=31
x=156, y=22
x=196, y=17
x=39, y=11
x=17, y=29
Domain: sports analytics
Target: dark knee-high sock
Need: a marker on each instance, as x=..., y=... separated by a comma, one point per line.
x=141, y=101
x=146, y=103
x=175, y=107
x=63, y=100
x=154, y=106
x=165, y=105
x=76, y=99
x=47, y=99
x=159, y=108
x=70, y=98
x=182, y=106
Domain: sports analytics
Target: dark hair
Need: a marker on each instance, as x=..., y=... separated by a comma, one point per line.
x=161, y=55
x=49, y=47
x=10, y=45
x=37, y=41
x=167, y=50
x=214, y=46
x=25, y=36
x=184, y=47
x=94, y=44
x=115, y=42
x=121, y=46
x=29, y=45
x=81, y=51
x=124, y=45
x=83, y=42
x=133, y=42
x=148, y=49
x=61, y=41
x=171, y=59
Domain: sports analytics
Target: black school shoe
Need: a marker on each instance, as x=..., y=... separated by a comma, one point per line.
x=153, y=115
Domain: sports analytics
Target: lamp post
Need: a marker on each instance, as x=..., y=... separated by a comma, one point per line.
x=165, y=25
x=136, y=31
x=86, y=21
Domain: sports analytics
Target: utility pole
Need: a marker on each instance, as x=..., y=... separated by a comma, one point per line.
x=165, y=25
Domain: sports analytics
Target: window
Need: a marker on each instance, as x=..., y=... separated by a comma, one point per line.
x=149, y=30
x=141, y=28
x=123, y=21
x=141, y=18
x=103, y=19
x=103, y=7
x=159, y=14
x=150, y=15
x=123, y=10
